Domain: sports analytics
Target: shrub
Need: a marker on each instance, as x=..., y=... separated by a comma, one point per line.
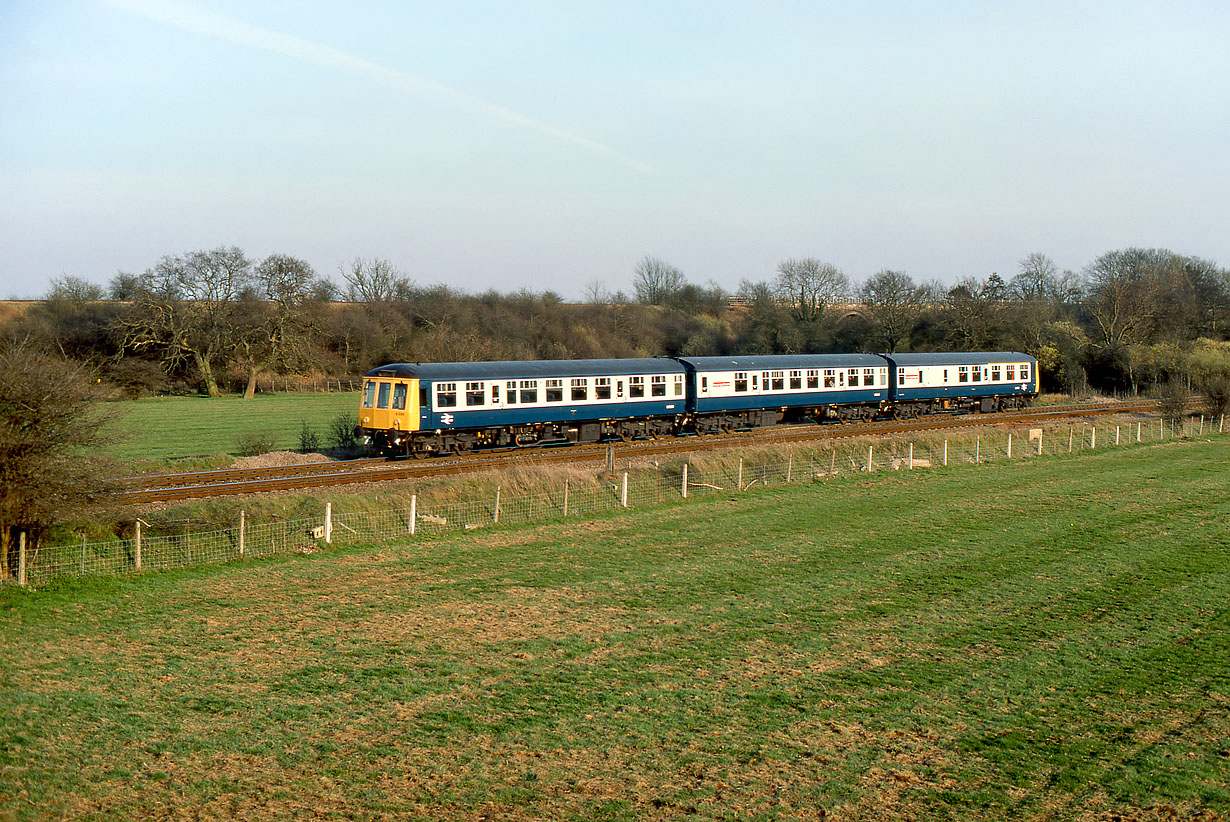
x=1172, y=397
x=341, y=431
x=309, y=440
x=252, y=443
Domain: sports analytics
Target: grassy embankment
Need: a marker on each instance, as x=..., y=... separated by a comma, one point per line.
x=1042, y=640
x=168, y=428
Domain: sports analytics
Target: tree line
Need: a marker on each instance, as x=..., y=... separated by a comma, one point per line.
x=214, y=320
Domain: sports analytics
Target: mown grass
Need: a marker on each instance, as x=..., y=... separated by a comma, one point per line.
x=1043, y=640
x=182, y=427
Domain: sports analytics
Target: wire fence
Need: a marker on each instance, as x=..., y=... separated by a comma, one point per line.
x=632, y=488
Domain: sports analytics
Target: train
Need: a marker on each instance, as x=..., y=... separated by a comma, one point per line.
x=426, y=409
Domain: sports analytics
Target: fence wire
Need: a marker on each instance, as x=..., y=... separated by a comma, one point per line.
x=631, y=489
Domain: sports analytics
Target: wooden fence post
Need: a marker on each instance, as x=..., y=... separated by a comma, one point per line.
x=328, y=523
x=685, y=480
x=789, y=467
x=1009, y=445
x=21, y=559
x=739, y=482
x=137, y=548
x=623, y=494
x=497, y=505
x=242, y=522
x=565, y=497
x=911, y=456
x=832, y=462
x=945, y=453
x=1093, y=438
x=1116, y=435
x=1138, y=432
x=978, y=450
x=870, y=464
x=414, y=513
x=1070, y=434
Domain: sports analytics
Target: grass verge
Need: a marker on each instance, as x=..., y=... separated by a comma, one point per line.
x=1040, y=640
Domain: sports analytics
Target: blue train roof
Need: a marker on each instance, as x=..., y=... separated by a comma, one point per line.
x=781, y=362
x=958, y=358
x=526, y=369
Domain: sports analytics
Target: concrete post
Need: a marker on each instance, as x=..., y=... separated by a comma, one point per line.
x=328, y=523
x=685, y=480
x=137, y=548
x=623, y=494
x=414, y=513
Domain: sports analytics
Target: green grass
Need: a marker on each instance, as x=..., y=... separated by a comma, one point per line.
x=181, y=427
x=1043, y=640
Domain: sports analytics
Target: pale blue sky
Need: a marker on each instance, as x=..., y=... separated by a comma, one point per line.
x=547, y=145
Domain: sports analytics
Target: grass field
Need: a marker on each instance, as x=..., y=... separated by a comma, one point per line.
x=1043, y=640
x=179, y=427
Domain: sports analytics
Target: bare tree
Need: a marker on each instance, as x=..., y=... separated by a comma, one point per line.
x=74, y=289
x=186, y=309
x=51, y=425
x=1036, y=280
x=811, y=284
x=375, y=281
x=656, y=281
x=893, y=304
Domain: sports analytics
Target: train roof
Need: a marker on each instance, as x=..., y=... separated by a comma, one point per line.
x=527, y=369
x=958, y=358
x=759, y=362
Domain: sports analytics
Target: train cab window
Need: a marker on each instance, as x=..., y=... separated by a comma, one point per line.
x=399, y=396
x=869, y=376
x=369, y=394
x=852, y=378
x=657, y=386
x=529, y=391
x=636, y=387
x=830, y=378
x=740, y=381
x=475, y=394
x=555, y=390
x=963, y=374
x=1010, y=372
x=446, y=395
x=602, y=388
x=1024, y=371
x=777, y=381
x=976, y=373
x=678, y=385
x=383, y=401
x=580, y=390
x=510, y=392
x=995, y=373
x=813, y=378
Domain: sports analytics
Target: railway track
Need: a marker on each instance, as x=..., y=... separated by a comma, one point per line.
x=149, y=488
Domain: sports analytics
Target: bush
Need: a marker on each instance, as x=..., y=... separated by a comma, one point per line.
x=341, y=432
x=252, y=443
x=1216, y=390
x=309, y=440
x=1172, y=397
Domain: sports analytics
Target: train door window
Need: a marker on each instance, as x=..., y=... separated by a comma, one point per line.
x=369, y=394
x=602, y=388
x=830, y=378
x=777, y=381
x=580, y=390
x=945, y=375
x=869, y=376
x=424, y=399
x=383, y=401
x=704, y=384
x=529, y=391
x=841, y=379
x=678, y=385
x=813, y=378
x=510, y=392
x=619, y=388
x=399, y=396
x=446, y=395
x=852, y=378
x=1010, y=372
x=475, y=394
x=995, y=373
x=963, y=374
x=495, y=393
x=555, y=390
x=976, y=373
x=657, y=386
x=740, y=381
x=755, y=382
x=636, y=387
x=1024, y=371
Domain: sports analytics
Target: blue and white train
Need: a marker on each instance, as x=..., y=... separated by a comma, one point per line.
x=422, y=409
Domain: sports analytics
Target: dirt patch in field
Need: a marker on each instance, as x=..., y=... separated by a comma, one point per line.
x=277, y=459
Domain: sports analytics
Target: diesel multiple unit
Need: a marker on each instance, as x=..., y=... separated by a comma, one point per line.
x=431, y=408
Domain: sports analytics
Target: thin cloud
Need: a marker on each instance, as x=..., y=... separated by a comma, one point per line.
x=197, y=20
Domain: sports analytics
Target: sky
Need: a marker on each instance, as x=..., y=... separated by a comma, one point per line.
x=551, y=144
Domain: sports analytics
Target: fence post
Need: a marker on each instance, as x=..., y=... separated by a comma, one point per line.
x=1093, y=438
x=978, y=450
x=21, y=559
x=1116, y=435
x=1221, y=424
x=832, y=462
x=565, y=496
x=1041, y=433
x=242, y=522
x=1138, y=432
x=623, y=494
x=1201, y=425
x=328, y=523
x=137, y=547
x=739, y=482
x=414, y=513
x=870, y=464
x=497, y=505
x=911, y=456
x=945, y=453
x=1070, y=430
x=789, y=467
x=1009, y=445
x=685, y=480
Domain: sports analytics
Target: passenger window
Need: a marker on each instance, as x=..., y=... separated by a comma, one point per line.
x=852, y=378
x=657, y=386
x=399, y=397
x=976, y=372
x=778, y=381
x=741, y=381
x=510, y=392
x=1024, y=372
x=679, y=386
x=869, y=376
x=813, y=378
x=555, y=390
x=580, y=391
x=963, y=374
x=446, y=395
x=529, y=391
x=636, y=387
x=995, y=373
x=602, y=388
x=1010, y=372
x=383, y=402
x=369, y=393
x=475, y=394
x=830, y=378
